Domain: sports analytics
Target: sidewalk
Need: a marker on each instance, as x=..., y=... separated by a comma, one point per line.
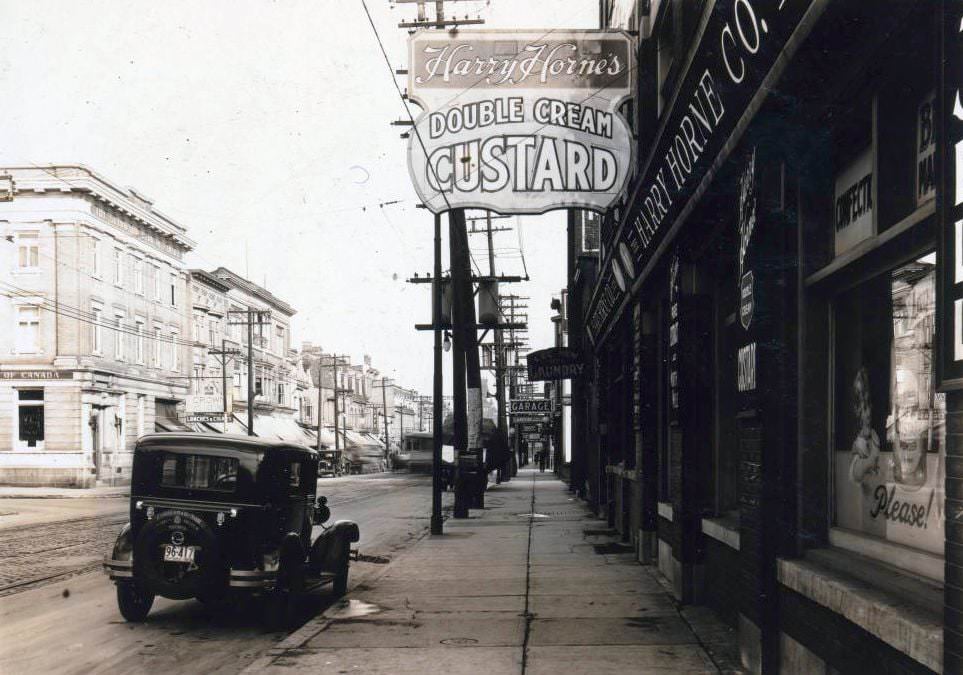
x=525, y=587
x=17, y=492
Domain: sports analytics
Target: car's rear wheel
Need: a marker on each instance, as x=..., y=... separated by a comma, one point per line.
x=134, y=603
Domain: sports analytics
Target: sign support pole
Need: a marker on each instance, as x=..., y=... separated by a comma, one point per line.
x=437, y=391
x=461, y=287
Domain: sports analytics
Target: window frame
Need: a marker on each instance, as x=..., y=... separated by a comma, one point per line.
x=31, y=249
x=32, y=326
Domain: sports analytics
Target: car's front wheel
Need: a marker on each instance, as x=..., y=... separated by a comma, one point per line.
x=134, y=604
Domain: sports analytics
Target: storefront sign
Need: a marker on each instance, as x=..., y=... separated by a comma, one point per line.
x=557, y=363
x=605, y=304
x=926, y=150
x=746, y=299
x=747, y=368
x=950, y=250
x=530, y=406
x=520, y=121
x=208, y=417
x=854, y=197
x=36, y=374
x=675, y=291
x=736, y=51
x=202, y=402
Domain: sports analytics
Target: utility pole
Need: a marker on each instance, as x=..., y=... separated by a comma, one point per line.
x=458, y=356
x=334, y=364
x=504, y=471
x=251, y=315
x=384, y=403
x=224, y=355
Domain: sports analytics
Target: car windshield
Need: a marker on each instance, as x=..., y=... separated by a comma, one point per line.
x=201, y=472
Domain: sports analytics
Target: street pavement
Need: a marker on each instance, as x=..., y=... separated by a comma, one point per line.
x=533, y=584
x=58, y=612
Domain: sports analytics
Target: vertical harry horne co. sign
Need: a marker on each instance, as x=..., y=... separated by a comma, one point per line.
x=950, y=251
x=520, y=122
x=736, y=51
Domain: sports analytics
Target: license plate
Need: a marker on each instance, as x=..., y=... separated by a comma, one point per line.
x=181, y=554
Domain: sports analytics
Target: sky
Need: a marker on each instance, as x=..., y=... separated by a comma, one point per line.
x=264, y=128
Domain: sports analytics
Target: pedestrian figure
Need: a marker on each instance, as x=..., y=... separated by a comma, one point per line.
x=541, y=460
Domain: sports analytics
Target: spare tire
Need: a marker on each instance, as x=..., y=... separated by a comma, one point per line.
x=178, y=580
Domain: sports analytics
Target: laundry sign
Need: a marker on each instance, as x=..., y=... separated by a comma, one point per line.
x=520, y=121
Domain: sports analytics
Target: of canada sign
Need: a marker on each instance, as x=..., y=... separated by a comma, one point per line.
x=520, y=122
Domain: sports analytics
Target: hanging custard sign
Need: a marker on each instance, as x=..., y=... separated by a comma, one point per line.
x=520, y=122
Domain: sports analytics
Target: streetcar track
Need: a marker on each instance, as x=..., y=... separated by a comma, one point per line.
x=27, y=533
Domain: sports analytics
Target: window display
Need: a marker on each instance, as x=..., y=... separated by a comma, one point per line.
x=890, y=423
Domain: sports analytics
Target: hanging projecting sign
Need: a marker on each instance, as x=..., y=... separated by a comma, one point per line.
x=530, y=406
x=557, y=363
x=950, y=201
x=520, y=121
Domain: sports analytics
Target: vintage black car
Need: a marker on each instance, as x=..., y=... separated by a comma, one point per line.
x=216, y=517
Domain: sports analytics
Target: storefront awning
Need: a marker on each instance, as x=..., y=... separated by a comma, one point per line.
x=169, y=424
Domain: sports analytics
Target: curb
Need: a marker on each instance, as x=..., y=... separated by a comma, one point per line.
x=320, y=622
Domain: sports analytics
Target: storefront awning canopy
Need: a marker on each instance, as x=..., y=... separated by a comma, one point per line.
x=169, y=424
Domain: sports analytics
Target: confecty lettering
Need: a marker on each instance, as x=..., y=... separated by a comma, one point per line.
x=573, y=116
x=854, y=202
x=526, y=163
x=539, y=62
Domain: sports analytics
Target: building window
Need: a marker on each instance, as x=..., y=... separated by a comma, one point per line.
x=157, y=346
x=198, y=377
x=140, y=341
x=889, y=458
x=175, y=352
x=98, y=263
x=97, y=329
x=212, y=332
x=280, y=393
x=158, y=286
x=28, y=330
x=173, y=288
x=237, y=384
x=138, y=268
x=118, y=267
x=119, y=336
x=28, y=250
x=30, y=418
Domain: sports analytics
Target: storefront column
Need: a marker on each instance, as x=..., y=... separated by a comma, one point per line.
x=690, y=417
x=648, y=437
x=766, y=382
x=953, y=585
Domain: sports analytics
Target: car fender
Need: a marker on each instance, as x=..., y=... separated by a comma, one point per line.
x=330, y=549
x=119, y=563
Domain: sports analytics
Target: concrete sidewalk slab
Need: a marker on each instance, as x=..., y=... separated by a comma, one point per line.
x=510, y=592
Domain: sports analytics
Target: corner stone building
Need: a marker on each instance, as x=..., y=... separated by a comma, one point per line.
x=94, y=349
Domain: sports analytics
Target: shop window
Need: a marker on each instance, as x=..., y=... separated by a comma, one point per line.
x=30, y=418
x=28, y=330
x=890, y=423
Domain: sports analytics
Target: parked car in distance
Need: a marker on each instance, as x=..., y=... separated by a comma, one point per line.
x=216, y=517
